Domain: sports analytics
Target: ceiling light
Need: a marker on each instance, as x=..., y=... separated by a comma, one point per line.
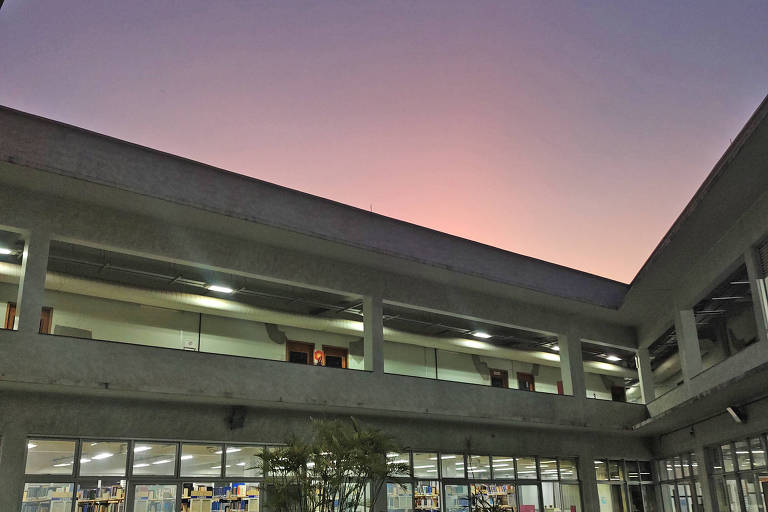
x=726, y=298
x=556, y=348
x=164, y=461
x=140, y=466
x=220, y=289
x=5, y=250
x=392, y=455
x=84, y=460
x=63, y=464
x=187, y=457
x=31, y=445
x=141, y=448
x=482, y=335
x=243, y=464
x=739, y=282
x=612, y=357
x=103, y=455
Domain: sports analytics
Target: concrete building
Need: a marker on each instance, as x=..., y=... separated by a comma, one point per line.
x=166, y=320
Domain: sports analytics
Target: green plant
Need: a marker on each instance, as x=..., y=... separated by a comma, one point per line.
x=332, y=472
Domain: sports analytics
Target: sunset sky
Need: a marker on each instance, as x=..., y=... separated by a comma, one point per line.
x=574, y=132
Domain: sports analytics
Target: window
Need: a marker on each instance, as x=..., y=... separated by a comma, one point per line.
x=103, y=458
x=335, y=357
x=244, y=461
x=46, y=318
x=299, y=352
x=679, y=487
x=499, y=378
x=201, y=459
x=50, y=457
x=154, y=458
x=425, y=465
x=10, y=315
x=525, y=382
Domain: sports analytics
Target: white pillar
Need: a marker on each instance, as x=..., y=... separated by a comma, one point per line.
x=34, y=266
x=373, y=334
x=757, y=286
x=572, y=365
x=688, y=343
x=645, y=373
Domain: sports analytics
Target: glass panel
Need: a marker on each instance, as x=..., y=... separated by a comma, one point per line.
x=677, y=466
x=154, y=458
x=752, y=495
x=727, y=457
x=635, y=499
x=103, y=458
x=615, y=470
x=684, y=497
x=633, y=475
x=452, y=466
x=244, y=461
x=732, y=488
x=694, y=464
x=668, y=497
x=568, y=469
x=101, y=496
x=427, y=494
x=649, y=495
x=550, y=496
x=664, y=469
x=503, y=467
x=425, y=465
x=601, y=470
x=548, y=469
x=742, y=454
x=399, y=497
x=686, y=466
x=487, y=497
x=717, y=460
x=47, y=497
x=456, y=498
x=758, y=452
x=154, y=498
x=201, y=459
x=400, y=458
x=50, y=457
x=645, y=471
x=479, y=466
x=210, y=496
x=721, y=494
x=526, y=467
x=529, y=498
x=571, y=497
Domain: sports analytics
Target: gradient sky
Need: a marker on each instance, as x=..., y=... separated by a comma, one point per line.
x=574, y=132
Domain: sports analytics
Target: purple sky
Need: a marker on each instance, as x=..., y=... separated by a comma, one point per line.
x=569, y=131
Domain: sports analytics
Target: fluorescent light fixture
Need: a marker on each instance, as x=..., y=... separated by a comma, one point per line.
x=229, y=450
x=556, y=348
x=423, y=467
x=140, y=465
x=739, y=282
x=612, y=357
x=726, y=298
x=31, y=445
x=392, y=455
x=141, y=448
x=220, y=289
x=187, y=457
x=243, y=464
x=84, y=460
x=400, y=461
x=5, y=250
x=503, y=460
x=482, y=335
x=63, y=464
x=102, y=455
x=163, y=461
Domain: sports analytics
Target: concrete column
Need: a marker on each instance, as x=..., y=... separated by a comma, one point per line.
x=572, y=365
x=643, y=362
x=707, y=494
x=34, y=265
x=589, y=496
x=12, y=453
x=688, y=343
x=373, y=334
x=757, y=286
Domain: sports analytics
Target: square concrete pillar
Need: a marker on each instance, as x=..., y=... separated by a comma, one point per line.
x=757, y=285
x=589, y=495
x=13, y=446
x=704, y=477
x=572, y=365
x=34, y=265
x=373, y=334
x=688, y=343
x=643, y=362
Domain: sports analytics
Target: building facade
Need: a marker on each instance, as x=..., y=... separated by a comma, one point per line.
x=165, y=321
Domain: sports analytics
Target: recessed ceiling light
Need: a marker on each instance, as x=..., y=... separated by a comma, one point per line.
x=612, y=357
x=220, y=289
x=482, y=335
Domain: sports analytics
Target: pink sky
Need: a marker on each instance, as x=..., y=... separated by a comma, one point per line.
x=571, y=133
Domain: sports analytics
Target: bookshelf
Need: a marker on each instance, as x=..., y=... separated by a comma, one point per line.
x=234, y=498
x=426, y=496
x=399, y=498
x=47, y=498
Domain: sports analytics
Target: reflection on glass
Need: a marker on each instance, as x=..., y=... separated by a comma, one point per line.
x=227, y=496
x=503, y=467
x=50, y=457
x=758, y=452
x=742, y=455
x=752, y=494
x=452, y=465
x=154, y=498
x=550, y=495
x=478, y=466
x=633, y=475
x=601, y=470
x=201, y=459
x=456, y=498
x=727, y=457
x=154, y=458
x=615, y=470
x=571, y=497
x=244, y=461
x=645, y=471
x=101, y=495
x=399, y=497
x=526, y=467
x=103, y=458
x=548, y=469
x=425, y=465
x=529, y=498
x=668, y=497
x=47, y=497
x=568, y=469
x=400, y=459
x=426, y=496
x=494, y=496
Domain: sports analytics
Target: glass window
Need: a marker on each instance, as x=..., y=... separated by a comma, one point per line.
x=668, y=497
x=526, y=467
x=50, y=457
x=664, y=469
x=685, y=466
x=752, y=495
x=548, y=469
x=717, y=460
x=649, y=495
x=529, y=497
x=47, y=497
x=571, y=497
x=732, y=488
x=601, y=470
x=758, y=452
x=154, y=458
x=479, y=466
x=400, y=458
x=427, y=494
x=201, y=459
x=452, y=465
x=154, y=497
x=742, y=455
x=101, y=495
x=615, y=470
x=645, y=471
x=694, y=464
x=550, y=495
x=503, y=467
x=727, y=457
x=425, y=465
x=633, y=475
x=569, y=469
x=399, y=497
x=684, y=496
x=244, y=461
x=677, y=467
x=456, y=498
x=103, y=458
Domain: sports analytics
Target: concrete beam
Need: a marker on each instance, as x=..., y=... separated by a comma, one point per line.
x=643, y=361
x=688, y=343
x=29, y=304
x=757, y=285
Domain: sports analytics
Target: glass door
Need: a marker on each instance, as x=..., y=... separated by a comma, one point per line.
x=529, y=498
x=154, y=498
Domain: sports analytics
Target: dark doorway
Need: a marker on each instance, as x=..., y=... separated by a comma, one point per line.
x=499, y=378
x=299, y=352
x=525, y=382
